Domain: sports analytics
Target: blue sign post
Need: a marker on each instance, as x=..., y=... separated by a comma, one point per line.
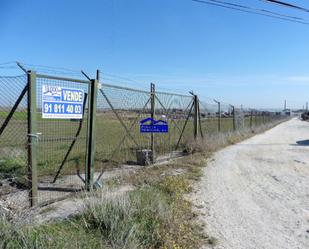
x=63, y=103
x=150, y=125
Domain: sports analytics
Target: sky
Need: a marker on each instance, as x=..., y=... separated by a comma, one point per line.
x=180, y=45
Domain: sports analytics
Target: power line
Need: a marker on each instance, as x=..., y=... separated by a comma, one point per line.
x=255, y=11
x=285, y=4
x=7, y=67
x=8, y=62
x=251, y=10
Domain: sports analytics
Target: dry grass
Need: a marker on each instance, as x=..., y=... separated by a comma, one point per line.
x=212, y=142
x=156, y=214
x=65, y=234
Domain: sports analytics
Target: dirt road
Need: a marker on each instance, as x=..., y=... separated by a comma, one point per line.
x=256, y=194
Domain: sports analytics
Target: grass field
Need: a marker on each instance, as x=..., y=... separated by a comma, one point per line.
x=111, y=150
x=155, y=214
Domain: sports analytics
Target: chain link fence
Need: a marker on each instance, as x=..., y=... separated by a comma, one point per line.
x=216, y=116
x=61, y=148
x=48, y=159
x=121, y=110
x=177, y=110
x=13, y=138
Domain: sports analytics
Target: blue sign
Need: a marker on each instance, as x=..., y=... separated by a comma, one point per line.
x=60, y=102
x=150, y=125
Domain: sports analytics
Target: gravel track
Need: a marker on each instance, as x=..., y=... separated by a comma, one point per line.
x=255, y=194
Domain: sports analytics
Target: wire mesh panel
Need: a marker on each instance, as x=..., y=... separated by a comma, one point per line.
x=254, y=118
x=62, y=143
x=177, y=110
x=258, y=119
x=118, y=137
x=209, y=117
x=216, y=117
x=120, y=112
x=13, y=138
x=227, y=118
x=239, y=118
x=248, y=119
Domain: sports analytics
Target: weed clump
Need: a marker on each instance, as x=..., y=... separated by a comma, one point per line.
x=152, y=216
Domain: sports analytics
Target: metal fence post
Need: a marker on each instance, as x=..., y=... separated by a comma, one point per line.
x=256, y=118
x=196, y=115
x=153, y=110
x=92, y=109
x=32, y=139
x=219, y=115
x=200, y=120
x=234, y=118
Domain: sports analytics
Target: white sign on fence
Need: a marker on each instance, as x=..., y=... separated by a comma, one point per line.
x=62, y=102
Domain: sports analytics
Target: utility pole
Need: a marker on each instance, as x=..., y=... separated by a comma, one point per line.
x=306, y=106
x=219, y=114
x=284, y=105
